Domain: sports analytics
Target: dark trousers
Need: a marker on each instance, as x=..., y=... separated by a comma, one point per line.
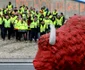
x=12, y=30
x=42, y=33
x=58, y=26
x=2, y=32
x=33, y=34
x=20, y=33
x=17, y=34
x=29, y=34
x=9, y=33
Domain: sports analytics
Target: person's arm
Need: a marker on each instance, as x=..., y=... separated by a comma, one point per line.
x=3, y=23
x=12, y=6
x=63, y=20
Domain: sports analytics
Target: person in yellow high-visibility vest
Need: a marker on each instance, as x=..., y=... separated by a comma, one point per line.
x=47, y=22
x=1, y=12
x=54, y=22
x=1, y=27
x=20, y=11
x=34, y=31
x=5, y=10
x=12, y=18
x=16, y=27
x=59, y=21
x=23, y=27
x=1, y=20
x=63, y=18
x=55, y=13
x=22, y=8
x=41, y=18
x=10, y=6
x=16, y=24
x=7, y=26
x=42, y=28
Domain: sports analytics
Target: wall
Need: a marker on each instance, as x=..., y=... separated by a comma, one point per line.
x=4, y=3
x=68, y=7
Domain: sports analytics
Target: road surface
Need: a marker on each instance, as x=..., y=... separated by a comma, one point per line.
x=16, y=64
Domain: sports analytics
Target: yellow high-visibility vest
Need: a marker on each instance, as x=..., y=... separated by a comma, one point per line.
x=54, y=13
x=59, y=22
x=16, y=24
x=62, y=18
x=34, y=24
x=25, y=25
x=42, y=28
x=1, y=13
x=47, y=22
x=44, y=13
x=54, y=23
x=10, y=7
x=1, y=20
x=7, y=23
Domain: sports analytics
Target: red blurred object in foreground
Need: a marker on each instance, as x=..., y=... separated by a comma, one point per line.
x=68, y=53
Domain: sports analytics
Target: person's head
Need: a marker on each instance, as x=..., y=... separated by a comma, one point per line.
x=47, y=17
x=55, y=10
x=18, y=18
x=44, y=7
x=53, y=18
x=20, y=7
x=58, y=16
x=23, y=6
x=37, y=12
x=15, y=8
x=61, y=14
x=42, y=16
x=42, y=22
x=31, y=8
x=9, y=3
x=27, y=7
x=41, y=8
x=34, y=9
x=7, y=17
x=35, y=18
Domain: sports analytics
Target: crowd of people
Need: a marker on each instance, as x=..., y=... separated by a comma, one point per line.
x=27, y=23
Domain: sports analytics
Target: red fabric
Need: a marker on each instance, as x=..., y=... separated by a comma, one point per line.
x=29, y=21
x=69, y=51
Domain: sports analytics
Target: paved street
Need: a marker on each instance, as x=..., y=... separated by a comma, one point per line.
x=16, y=49
x=15, y=55
x=16, y=66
